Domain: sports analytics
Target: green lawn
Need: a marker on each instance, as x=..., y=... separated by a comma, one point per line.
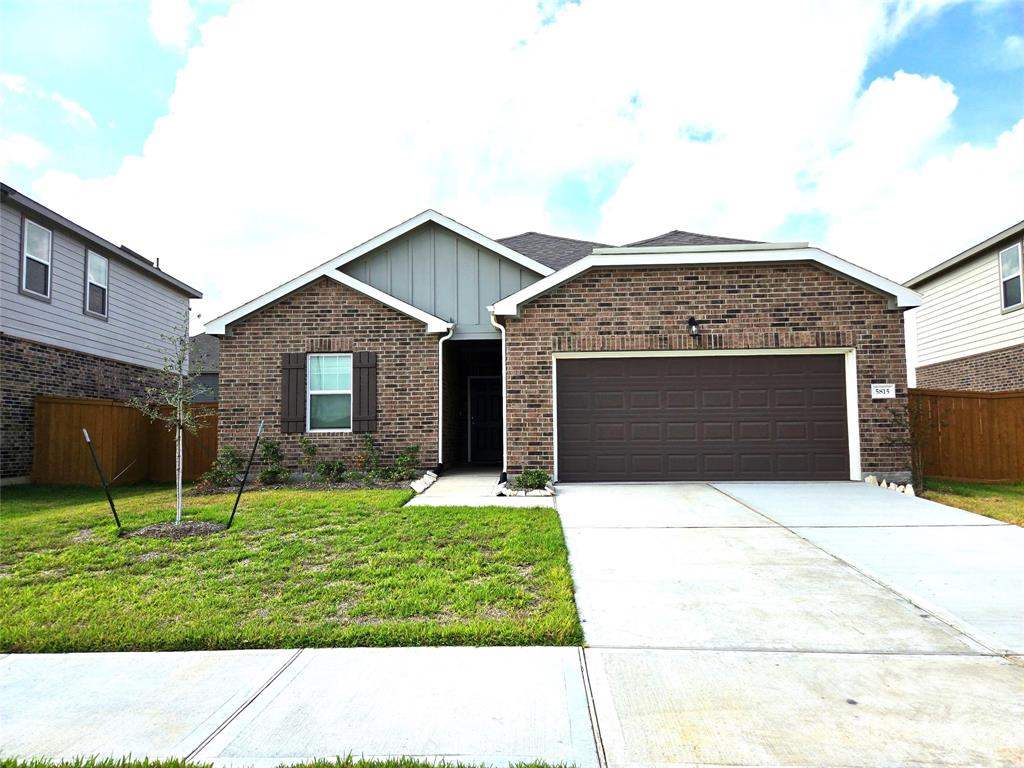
x=298, y=569
x=1002, y=502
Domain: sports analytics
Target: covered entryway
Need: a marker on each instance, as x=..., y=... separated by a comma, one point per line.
x=472, y=404
x=702, y=417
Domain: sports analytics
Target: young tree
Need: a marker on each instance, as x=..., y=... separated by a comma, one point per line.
x=170, y=400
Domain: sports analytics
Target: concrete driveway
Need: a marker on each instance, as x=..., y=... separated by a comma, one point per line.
x=796, y=624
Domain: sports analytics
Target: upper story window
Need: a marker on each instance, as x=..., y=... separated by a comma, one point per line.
x=35, y=260
x=329, y=393
x=1010, y=276
x=97, y=268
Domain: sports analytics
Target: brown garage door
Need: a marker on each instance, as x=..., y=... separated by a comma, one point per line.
x=749, y=417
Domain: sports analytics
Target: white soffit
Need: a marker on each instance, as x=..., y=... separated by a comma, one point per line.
x=665, y=256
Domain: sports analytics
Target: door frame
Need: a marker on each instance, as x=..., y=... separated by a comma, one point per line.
x=469, y=412
x=850, y=360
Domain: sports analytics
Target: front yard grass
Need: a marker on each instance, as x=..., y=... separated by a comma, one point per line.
x=299, y=568
x=1001, y=502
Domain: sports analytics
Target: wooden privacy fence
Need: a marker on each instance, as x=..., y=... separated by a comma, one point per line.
x=125, y=442
x=970, y=435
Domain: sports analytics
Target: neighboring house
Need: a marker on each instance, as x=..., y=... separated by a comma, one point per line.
x=79, y=317
x=682, y=357
x=207, y=355
x=970, y=326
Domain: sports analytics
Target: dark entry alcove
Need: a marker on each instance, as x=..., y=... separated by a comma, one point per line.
x=472, y=403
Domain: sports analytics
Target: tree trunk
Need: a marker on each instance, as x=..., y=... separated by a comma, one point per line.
x=177, y=469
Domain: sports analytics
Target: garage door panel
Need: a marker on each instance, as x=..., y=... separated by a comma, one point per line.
x=702, y=418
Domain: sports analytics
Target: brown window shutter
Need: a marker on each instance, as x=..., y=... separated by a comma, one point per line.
x=364, y=392
x=293, y=392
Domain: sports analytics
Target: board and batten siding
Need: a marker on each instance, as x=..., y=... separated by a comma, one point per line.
x=446, y=275
x=140, y=310
x=962, y=313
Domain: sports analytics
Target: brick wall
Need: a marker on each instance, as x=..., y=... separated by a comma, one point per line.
x=326, y=316
x=1001, y=370
x=28, y=368
x=749, y=307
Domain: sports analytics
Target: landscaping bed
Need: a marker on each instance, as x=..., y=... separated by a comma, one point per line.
x=299, y=568
x=1000, y=501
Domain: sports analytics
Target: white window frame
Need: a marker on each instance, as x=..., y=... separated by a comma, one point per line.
x=25, y=256
x=89, y=281
x=1019, y=274
x=310, y=392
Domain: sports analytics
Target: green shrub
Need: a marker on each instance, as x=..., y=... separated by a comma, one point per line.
x=406, y=464
x=331, y=471
x=353, y=476
x=308, y=460
x=368, y=458
x=531, y=480
x=226, y=468
x=272, y=457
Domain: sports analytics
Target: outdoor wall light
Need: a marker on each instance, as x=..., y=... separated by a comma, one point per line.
x=694, y=324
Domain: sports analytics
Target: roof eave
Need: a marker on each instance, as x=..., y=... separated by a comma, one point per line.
x=970, y=253
x=138, y=262
x=902, y=297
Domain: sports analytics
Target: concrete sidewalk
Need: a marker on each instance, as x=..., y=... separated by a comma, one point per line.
x=264, y=708
x=473, y=488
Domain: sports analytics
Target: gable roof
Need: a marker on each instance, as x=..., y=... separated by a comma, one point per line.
x=552, y=250
x=679, y=237
x=971, y=252
x=121, y=253
x=663, y=256
x=207, y=349
x=329, y=268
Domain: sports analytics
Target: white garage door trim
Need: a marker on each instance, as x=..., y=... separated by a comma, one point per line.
x=850, y=355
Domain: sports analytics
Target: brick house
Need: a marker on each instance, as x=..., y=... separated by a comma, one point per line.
x=970, y=325
x=79, y=317
x=680, y=357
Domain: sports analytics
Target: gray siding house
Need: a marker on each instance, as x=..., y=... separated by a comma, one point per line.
x=79, y=317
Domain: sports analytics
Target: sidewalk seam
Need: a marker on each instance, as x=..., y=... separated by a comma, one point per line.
x=243, y=706
x=595, y=726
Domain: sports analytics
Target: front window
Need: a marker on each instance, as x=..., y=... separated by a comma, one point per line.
x=96, y=284
x=35, y=260
x=1010, y=275
x=329, y=400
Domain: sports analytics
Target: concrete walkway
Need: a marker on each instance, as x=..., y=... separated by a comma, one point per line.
x=470, y=487
x=264, y=708
x=720, y=635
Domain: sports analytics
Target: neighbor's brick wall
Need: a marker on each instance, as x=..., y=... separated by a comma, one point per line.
x=28, y=368
x=1001, y=370
x=749, y=307
x=326, y=316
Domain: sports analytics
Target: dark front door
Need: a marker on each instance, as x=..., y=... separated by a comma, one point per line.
x=742, y=417
x=484, y=419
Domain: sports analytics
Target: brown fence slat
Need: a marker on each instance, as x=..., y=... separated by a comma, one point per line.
x=125, y=440
x=970, y=435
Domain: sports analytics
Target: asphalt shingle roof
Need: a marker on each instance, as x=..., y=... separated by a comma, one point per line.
x=679, y=237
x=557, y=252
x=550, y=250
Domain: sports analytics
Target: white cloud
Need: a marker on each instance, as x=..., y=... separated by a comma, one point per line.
x=74, y=110
x=293, y=135
x=19, y=150
x=171, y=22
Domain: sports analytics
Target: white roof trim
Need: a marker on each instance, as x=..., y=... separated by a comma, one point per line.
x=218, y=325
x=701, y=248
x=434, y=324
x=904, y=297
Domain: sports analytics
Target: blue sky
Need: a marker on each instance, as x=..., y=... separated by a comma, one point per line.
x=553, y=117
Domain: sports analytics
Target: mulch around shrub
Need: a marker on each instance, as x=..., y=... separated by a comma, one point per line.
x=182, y=530
x=203, y=490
